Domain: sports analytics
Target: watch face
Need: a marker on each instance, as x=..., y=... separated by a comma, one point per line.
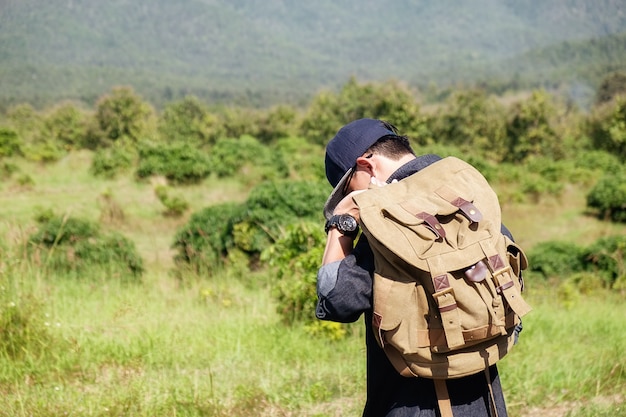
x=347, y=223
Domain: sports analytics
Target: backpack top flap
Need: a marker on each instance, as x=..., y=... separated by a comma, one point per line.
x=445, y=209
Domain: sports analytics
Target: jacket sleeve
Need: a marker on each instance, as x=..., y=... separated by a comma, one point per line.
x=344, y=288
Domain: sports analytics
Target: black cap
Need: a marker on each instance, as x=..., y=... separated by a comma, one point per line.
x=350, y=142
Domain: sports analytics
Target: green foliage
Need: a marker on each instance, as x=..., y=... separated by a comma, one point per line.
x=604, y=259
x=304, y=160
x=474, y=123
x=121, y=116
x=530, y=130
x=67, y=125
x=276, y=123
x=35, y=143
x=556, y=259
x=175, y=206
x=295, y=258
x=25, y=120
x=189, y=120
x=179, y=162
x=9, y=142
x=388, y=101
x=204, y=241
x=608, y=196
x=112, y=161
x=24, y=331
x=7, y=169
x=75, y=244
x=607, y=257
x=607, y=128
x=274, y=204
x=612, y=85
x=246, y=157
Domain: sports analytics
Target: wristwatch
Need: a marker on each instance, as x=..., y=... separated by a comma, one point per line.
x=345, y=223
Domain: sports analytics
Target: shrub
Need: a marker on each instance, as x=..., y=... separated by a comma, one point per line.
x=112, y=161
x=246, y=158
x=9, y=142
x=473, y=122
x=599, y=160
x=303, y=160
x=203, y=243
x=274, y=204
x=71, y=244
x=122, y=116
x=607, y=128
x=66, y=124
x=295, y=257
x=175, y=205
x=179, y=162
x=189, y=120
x=608, y=197
x=607, y=257
x=530, y=130
x=206, y=240
x=556, y=258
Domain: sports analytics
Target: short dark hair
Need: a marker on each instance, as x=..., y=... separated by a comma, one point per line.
x=392, y=147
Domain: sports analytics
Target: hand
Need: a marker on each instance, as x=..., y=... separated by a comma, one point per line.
x=348, y=206
x=378, y=183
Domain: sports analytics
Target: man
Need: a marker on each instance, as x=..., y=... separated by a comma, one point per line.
x=362, y=152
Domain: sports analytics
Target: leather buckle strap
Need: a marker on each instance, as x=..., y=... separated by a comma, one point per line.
x=432, y=223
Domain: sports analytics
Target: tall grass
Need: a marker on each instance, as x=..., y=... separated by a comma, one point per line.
x=570, y=351
x=214, y=346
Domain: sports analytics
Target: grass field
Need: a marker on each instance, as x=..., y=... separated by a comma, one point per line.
x=97, y=347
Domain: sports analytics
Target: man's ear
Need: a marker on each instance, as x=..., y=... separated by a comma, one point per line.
x=366, y=164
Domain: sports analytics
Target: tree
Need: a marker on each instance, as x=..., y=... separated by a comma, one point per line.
x=189, y=120
x=122, y=116
x=390, y=101
x=474, y=123
x=607, y=128
x=613, y=84
x=530, y=131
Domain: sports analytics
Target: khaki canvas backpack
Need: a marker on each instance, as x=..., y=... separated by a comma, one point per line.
x=447, y=282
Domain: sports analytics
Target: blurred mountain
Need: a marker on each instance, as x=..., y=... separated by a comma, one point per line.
x=263, y=52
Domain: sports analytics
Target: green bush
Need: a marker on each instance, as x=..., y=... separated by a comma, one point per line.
x=175, y=205
x=190, y=121
x=9, y=142
x=389, y=101
x=202, y=244
x=122, y=116
x=608, y=197
x=473, y=122
x=246, y=158
x=303, y=160
x=607, y=258
x=556, y=259
x=67, y=125
x=598, y=160
x=179, y=162
x=112, y=161
x=274, y=204
x=531, y=130
x=71, y=244
x=295, y=257
x=607, y=128
x=212, y=233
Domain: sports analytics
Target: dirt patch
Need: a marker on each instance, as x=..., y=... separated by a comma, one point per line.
x=562, y=409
